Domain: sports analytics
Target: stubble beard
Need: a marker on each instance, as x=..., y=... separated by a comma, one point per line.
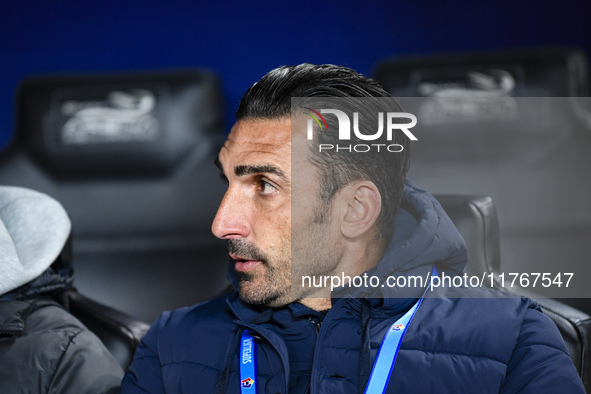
x=269, y=284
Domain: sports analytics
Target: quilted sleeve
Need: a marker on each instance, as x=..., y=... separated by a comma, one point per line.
x=540, y=362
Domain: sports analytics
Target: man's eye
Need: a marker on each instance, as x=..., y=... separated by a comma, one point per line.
x=267, y=188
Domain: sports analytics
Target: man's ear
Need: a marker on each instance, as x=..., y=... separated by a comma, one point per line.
x=361, y=204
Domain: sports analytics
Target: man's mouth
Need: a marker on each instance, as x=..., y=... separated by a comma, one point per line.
x=243, y=264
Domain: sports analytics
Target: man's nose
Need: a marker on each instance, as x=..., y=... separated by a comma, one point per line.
x=231, y=220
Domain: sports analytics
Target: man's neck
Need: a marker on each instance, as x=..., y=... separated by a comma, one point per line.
x=365, y=260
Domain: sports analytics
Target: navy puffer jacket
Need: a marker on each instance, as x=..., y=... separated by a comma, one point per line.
x=454, y=345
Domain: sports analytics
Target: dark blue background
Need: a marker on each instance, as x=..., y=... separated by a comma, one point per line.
x=243, y=40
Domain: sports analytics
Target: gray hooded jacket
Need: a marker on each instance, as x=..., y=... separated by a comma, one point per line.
x=43, y=348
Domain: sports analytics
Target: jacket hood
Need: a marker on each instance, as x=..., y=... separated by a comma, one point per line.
x=424, y=235
x=34, y=229
x=53, y=281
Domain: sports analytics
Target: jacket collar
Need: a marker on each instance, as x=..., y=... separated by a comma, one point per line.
x=243, y=311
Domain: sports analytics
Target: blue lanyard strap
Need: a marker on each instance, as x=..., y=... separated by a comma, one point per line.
x=382, y=368
x=380, y=374
x=248, y=364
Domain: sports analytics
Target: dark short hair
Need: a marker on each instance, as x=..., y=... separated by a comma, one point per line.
x=270, y=99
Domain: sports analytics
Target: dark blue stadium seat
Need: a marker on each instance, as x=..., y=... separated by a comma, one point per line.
x=130, y=157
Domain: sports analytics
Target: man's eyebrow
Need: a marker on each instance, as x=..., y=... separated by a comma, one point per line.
x=251, y=169
x=258, y=169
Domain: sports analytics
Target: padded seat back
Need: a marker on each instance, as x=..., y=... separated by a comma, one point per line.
x=130, y=157
x=476, y=135
x=475, y=217
x=119, y=332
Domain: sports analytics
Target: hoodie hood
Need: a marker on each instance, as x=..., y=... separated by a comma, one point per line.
x=424, y=235
x=34, y=229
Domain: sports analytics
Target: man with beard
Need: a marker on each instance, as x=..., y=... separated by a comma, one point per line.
x=290, y=211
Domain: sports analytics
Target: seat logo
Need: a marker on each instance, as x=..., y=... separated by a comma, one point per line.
x=121, y=117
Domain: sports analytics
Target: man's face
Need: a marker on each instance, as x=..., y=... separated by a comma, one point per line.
x=255, y=213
